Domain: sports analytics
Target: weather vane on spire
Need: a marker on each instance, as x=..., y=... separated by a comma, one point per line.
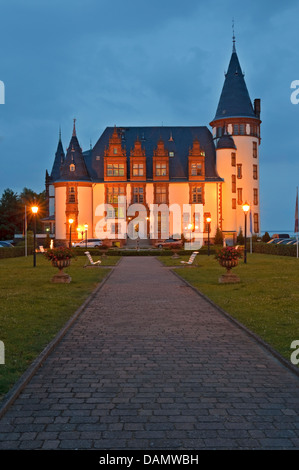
x=74, y=128
x=234, y=37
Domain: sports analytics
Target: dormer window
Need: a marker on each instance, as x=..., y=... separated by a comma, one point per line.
x=138, y=169
x=161, y=169
x=137, y=162
x=196, y=160
x=115, y=169
x=196, y=169
x=72, y=167
x=160, y=162
x=115, y=160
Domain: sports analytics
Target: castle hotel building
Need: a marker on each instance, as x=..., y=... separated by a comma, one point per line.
x=211, y=172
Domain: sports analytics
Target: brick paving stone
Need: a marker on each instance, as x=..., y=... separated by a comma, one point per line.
x=150, y=364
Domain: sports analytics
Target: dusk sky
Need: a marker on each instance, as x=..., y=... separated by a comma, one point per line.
x=137, y=63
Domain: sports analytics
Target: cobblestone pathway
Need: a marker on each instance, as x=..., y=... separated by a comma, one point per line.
x=150, y=364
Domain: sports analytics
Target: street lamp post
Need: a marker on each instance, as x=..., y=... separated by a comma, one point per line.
x=70, y=222
x=86, y=227
x=34, y=210
x=208, y=220
x=246, y=208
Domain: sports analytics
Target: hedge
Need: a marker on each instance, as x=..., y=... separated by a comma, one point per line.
x=152, y=252
x=272, y=249
x=15, y=252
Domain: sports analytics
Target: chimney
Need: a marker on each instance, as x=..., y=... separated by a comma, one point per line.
x=257, y=108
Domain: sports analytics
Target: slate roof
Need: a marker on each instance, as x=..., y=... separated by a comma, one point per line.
x=226, y=142
x=234, y=100
x=74, y=155
x=58, y=160
x=176, y=139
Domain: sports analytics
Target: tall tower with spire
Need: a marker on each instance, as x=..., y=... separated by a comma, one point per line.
x=236, y=134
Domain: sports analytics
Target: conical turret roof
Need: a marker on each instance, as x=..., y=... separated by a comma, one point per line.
x=74, y=168
x=234, y=100
x=58, y=160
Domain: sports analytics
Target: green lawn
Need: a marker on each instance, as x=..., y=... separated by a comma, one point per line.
x=33, y=309
x=266, y=300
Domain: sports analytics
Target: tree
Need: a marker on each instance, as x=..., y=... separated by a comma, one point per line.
x=10, y=214
x=29, y=198
x=240, y=238
x=218, y=237
x=266, y=237
x=12, y=211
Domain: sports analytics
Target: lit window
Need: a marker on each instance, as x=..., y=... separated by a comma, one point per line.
x=115, y=151
x=138, y=194
x=113, y=192
x=161, y=195
x=197, y=194
x=115, y=169
x=160, y=169
x=72, y=167
x=171, y=154
x=137, y=169
x=196, y=169
x=72, y=196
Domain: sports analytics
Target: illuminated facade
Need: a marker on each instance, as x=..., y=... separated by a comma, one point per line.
x=114, y=188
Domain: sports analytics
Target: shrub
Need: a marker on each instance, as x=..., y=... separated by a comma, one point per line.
x=240, y=238
x=218, y=240
x=266, y=237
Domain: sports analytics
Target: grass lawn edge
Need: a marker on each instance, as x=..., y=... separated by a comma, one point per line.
x=261, y=342
x=17, y=388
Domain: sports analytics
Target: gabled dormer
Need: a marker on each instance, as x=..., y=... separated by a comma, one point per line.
x=160, y=162
x=196, y=162
x=115, y=160
x=137, y=162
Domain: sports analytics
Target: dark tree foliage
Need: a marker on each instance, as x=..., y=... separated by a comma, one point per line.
x=12, y=211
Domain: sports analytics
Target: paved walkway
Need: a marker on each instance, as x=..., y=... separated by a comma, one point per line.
x=150, y=364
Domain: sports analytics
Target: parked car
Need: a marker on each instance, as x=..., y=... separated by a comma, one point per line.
x=89, y=243
x=4, y=244
x=169, y=243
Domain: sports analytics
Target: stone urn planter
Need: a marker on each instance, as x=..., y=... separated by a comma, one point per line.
x=61, y=276
x=228, y=257
x=60, y=258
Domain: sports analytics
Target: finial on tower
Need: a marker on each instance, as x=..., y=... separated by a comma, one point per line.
x=74, y=128
x=234, y=37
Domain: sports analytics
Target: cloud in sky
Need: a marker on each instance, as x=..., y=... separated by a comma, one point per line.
x=145, y=63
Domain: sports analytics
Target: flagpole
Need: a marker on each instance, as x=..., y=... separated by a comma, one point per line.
x=296, y=221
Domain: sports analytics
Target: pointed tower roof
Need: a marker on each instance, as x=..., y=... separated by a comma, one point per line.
x=234, y=100
x=59, y=159
x=74, y=168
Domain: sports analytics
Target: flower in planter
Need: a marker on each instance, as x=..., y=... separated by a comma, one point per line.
x=228, y=253
x=59, y=253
